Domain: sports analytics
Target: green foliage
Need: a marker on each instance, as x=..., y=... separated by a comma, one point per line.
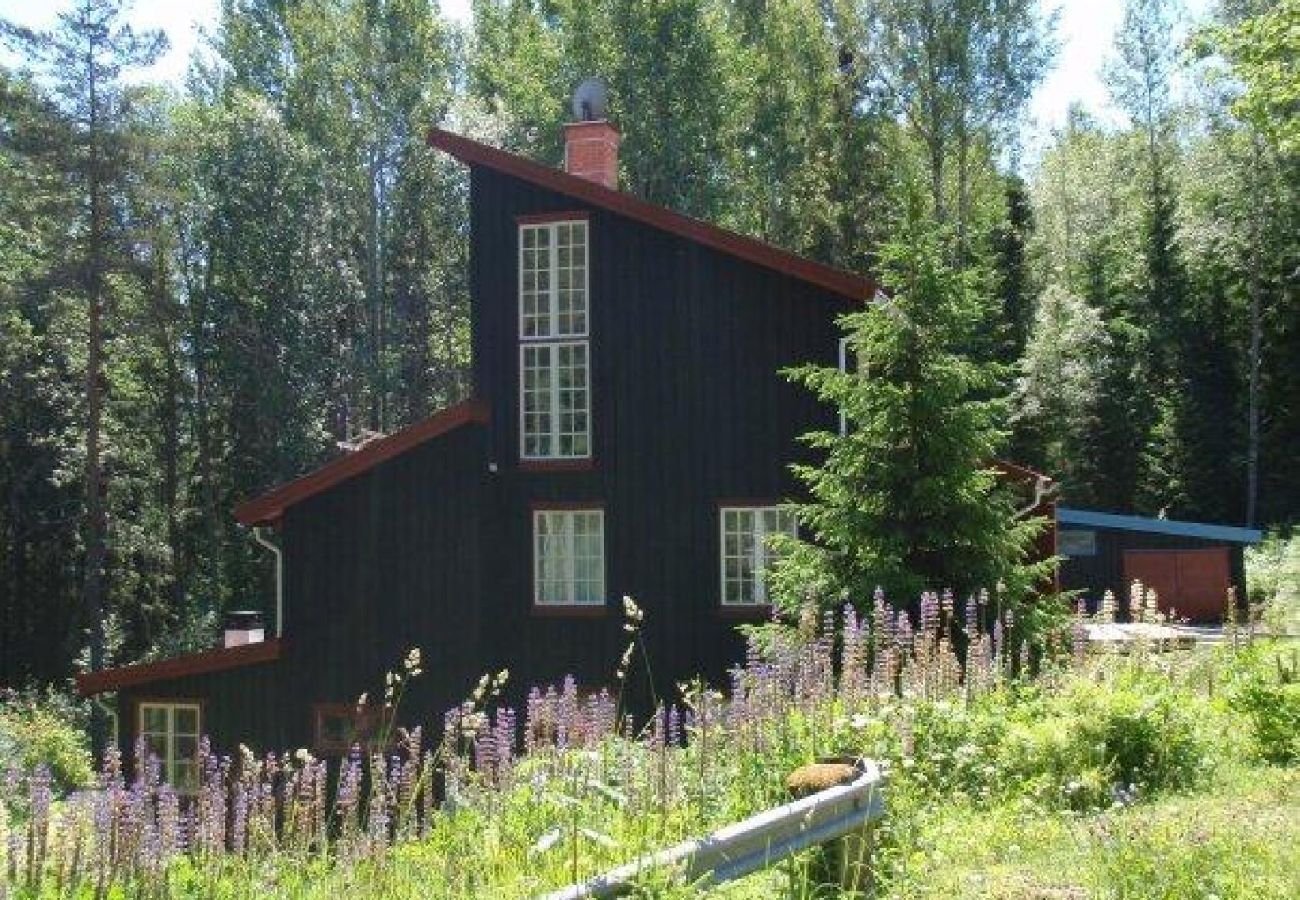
x=1265, y=687
x=1273, y=581
x=45, y=730
x=1080, y=746
x=905, y=500
x=1264, y=51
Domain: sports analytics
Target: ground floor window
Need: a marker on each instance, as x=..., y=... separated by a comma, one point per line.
x=748, y=551
x=568, y=557
x=170, y=731
x=338, y=727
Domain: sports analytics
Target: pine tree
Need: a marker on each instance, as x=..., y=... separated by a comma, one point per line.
x=85, y=57
x=906, y=499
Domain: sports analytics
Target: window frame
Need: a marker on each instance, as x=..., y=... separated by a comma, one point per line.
x=761, y=561
x=569, y=560
x=552, y=226
x=554, y=433
x=554, y=339
x=169, y=759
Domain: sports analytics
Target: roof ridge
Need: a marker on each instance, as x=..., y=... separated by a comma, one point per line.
x=751, y=249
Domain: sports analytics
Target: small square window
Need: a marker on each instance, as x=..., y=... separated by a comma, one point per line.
x=338, y=727
x=170, y=732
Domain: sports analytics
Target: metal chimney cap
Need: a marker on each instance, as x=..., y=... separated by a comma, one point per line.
x=591, y=101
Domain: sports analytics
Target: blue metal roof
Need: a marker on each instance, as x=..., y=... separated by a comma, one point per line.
x=1067, y=516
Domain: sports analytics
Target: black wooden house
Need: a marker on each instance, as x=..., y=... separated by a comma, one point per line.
x=629, y=433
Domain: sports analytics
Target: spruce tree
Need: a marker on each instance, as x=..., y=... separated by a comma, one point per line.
x=906, y=499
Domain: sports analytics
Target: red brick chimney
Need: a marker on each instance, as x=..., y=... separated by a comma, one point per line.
x=591, y=151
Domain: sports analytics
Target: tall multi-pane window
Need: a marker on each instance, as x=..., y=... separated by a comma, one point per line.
x=569, y=557
x=554, y=359
x=170, y=732
x=748, y=550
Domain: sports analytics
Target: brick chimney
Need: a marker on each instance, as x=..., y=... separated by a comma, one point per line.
x=591, y=151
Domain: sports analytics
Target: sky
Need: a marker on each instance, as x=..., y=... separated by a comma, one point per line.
x=1085, y=30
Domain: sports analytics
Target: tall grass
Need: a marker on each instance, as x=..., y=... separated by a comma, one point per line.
x=510, y=802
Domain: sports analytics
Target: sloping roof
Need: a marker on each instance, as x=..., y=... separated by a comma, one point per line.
x=178, y=667
x=1091, y=518
x=269, y=507
x=847, y=284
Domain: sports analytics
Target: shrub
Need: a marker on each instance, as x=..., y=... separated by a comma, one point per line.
x=1273, y=581
x=1267, y=692
x=45, y=730
x=1085, y=746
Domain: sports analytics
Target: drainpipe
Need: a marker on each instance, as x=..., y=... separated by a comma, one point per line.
x=279, y=578
x=1043, y=488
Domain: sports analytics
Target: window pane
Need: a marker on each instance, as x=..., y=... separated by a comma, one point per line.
x=153, y=719
x=187, y=720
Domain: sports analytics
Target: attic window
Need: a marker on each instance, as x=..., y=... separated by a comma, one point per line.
x=554, y=364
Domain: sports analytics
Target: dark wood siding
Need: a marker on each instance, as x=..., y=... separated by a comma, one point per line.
x=1094, y=575
x=434, y=548
x=383, y=562
x=688, y=408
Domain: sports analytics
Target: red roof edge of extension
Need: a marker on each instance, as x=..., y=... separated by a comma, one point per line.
x=178, y=666
x=269, y=507
x=838, y=281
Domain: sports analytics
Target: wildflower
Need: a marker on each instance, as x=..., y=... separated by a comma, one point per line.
x=631, y=611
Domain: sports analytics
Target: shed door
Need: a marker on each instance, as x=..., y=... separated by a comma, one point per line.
x=1192, y=582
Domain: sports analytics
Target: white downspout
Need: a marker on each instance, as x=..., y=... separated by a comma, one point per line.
x=279, y=578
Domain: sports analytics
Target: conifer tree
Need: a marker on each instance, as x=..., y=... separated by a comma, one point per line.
x=906, y=499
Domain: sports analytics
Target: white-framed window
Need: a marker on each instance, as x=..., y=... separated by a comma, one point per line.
x=554, y=358
x=748, y=551
x=170, y=732
x=568, y=557
x=555, y=400
x=553, y=280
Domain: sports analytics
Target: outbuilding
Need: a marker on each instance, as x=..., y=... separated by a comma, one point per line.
x=1190, y=565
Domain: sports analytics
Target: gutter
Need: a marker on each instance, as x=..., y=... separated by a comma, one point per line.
x=279, y=578
x=754, y=843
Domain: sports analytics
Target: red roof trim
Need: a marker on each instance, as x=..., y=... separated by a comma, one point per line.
x=580, y=215
x=178, y=667
x=1015, y=470
x=269, y=507
x=840, y=282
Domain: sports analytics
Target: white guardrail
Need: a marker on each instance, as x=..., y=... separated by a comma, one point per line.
x=755, y=843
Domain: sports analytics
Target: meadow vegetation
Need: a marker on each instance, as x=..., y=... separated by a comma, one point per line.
x=1156, y=772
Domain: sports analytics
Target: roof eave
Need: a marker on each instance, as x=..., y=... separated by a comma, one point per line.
x=1206, y=531
x=838, y=281
x=269, y=508
x=217, y=660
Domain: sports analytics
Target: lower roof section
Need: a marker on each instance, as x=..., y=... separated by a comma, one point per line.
x=178, y=667
x=1093, y=519
x=268, y=508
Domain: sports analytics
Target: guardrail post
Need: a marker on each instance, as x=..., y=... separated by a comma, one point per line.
x=848, y=858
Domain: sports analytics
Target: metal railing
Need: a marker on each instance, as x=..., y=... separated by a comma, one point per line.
x=755, y=843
